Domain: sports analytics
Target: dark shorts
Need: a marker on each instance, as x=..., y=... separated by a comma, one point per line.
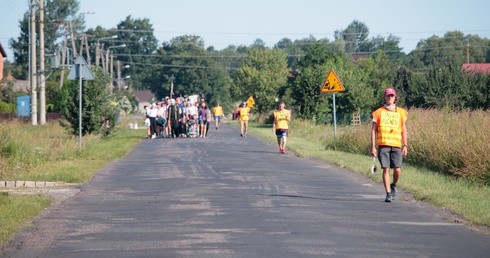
x=281, y=132
x=390, y=157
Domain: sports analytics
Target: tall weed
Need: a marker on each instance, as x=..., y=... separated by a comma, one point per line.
x=454, y=143
x=23, y=146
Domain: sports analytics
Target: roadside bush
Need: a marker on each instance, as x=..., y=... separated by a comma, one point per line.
x=99, y=112
x=7, y=107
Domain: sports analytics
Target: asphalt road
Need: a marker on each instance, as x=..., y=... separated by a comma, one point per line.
x=227, y=196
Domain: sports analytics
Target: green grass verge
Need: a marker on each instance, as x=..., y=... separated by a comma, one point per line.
x=463, y=197
x=16, y=210
x=81, y=166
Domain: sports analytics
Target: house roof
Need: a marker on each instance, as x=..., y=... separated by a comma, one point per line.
x=18, y=85
x=2, y=51
x=477, y=68
x=144, y=95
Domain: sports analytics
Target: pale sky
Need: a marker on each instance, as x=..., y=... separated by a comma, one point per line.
x=225, y=22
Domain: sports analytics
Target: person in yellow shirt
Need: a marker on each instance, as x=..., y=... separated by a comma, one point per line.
x=244, y=115
x=217, y=113
x=280, y=127
x=389, y=135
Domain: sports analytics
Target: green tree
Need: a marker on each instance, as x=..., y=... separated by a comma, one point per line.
x=389, y=45
x=57, y=14
x=306, y=88
x=358, y=91
x=141, y=44
x=261, y=76
x=306, y=82
x=99, y=112
x=379, y=75
x=354, y=36
x=453, y=49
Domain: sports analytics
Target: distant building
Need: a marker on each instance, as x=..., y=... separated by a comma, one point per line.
x=18, y=85
x=144, y=98
x=2, y=56
x=477, y=68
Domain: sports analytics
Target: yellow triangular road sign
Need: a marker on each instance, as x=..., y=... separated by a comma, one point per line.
x=332, y=83
x=250, y=102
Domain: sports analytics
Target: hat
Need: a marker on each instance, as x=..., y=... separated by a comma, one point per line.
x=390, y=91
x=172, y=101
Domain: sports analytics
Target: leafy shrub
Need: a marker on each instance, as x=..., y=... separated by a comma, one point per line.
x=7, y=107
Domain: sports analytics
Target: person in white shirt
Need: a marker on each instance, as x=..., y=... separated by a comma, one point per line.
x=153, y=120
x=191, y=110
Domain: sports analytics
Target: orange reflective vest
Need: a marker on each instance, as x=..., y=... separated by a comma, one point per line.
x=390, y=124
x=218, y=111
x=280, y=119
x=244, y=113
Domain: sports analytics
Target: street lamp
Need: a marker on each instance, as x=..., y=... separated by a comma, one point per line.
x=125, y=78
x=111, y=64
x=107, y=57
x=119, y=68
x=97, y=48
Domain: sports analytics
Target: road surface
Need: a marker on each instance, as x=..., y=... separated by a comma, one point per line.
x=228, y=196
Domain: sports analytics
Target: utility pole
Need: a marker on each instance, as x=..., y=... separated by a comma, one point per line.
x=111, y=87
x=468, y=53
x=33, y=64
x=118, y=64
x=82, y=41
x=42, y=90
x=97, y=54
x=72, y=40
x=87, y=51
x=106, y=67
x=104, y=60
x=63, y=62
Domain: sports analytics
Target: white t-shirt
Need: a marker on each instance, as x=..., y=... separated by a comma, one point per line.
x=153, y=112
x=191, y=110
x=161, y=112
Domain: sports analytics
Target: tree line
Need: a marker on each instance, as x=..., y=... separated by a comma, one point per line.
x=430, y=76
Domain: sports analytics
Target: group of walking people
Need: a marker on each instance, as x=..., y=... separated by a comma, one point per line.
x=389, y=140
x=180, y=117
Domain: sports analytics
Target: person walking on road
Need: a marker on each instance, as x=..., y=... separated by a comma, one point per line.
x=173, y=119
x=217, y=113
x=280, y=127
x=389, y=140
x=204, y=116
x=244, y=115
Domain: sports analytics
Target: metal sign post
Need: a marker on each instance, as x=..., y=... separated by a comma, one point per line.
x=332, y=84
x=334, y=121
x=80, y=108
x=81, y=72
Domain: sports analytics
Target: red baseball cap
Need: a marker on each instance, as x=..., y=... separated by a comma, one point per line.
x=390, y=91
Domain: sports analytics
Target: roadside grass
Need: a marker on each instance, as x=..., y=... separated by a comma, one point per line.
x=79, y=166
x=47, y=153
x=16, y=210
x=463, y=197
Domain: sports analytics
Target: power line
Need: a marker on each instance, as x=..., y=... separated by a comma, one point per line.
x=289, y=33
x=180, y=66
